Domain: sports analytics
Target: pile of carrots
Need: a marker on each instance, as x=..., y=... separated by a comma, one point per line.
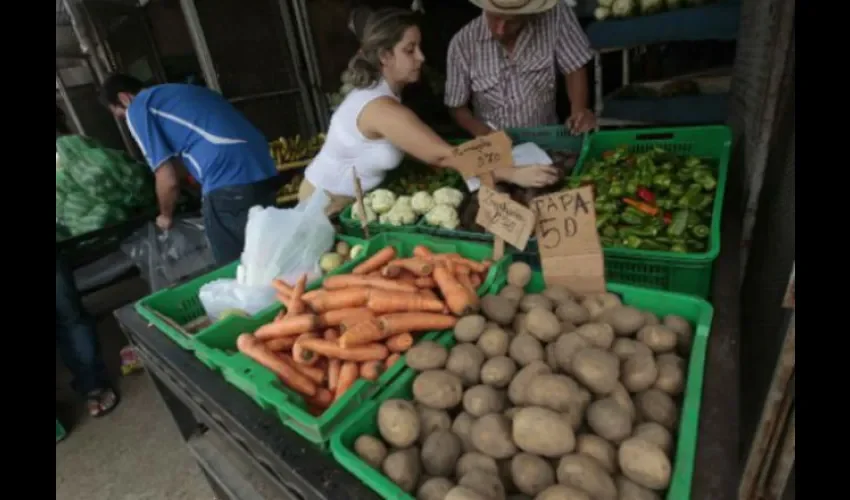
x=357, y=325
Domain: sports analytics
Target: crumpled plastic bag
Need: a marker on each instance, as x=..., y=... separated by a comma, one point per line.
x=222, y=295
x=166, y=257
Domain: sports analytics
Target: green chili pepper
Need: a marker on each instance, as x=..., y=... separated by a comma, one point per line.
x=676, y=190
x=609, y=232
x=695, y=246
x=706, y=202
x=652, y=245
x=642, y=231
x=601, y=220
x=664, y=204
x=667, y=166
x=693, y=161
x=606, y=207
x=662, y=180
x=632, y=216
x=664, y=240
x=694, y=219
x=705, y=179
x=607, y=242
x=679, y=224
x=574, y=183
x=701, y=231
x=631, y=187
x=632, y=241
x=616, y=190
x=679, y=248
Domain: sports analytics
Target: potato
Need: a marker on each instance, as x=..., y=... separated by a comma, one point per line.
x=650, y=318
x=438, y=389
x=625, y=320
x=518, y=388
x=639, y=372
x=556, y=392
x=427, y=355
x=493, y=342
x=597, y=334
x=629, y=490
x=482, y=399
x=597, y=369
x=491, y=435
x=574, y=313
x=525, y=349
x=461, y=426
x=558, y=294
x=659, y=338
x=518, y=325
x=671, y=374
x=624, y=399
x=531, y=474
x=512, y=293
x=599, y=303
x=498, y=371
x=567, y=327
x=599, y=449
x=551, y=360
x=542, y=324
x=657, y=406
x=510, y=412
x=498, y=309
x=586, y=474
x=371, y=450
x=543, y=432
x=624, y=347
x=440, y=452
x=464, y=493
x=565, y=348
x=505, y=476
x=475, y=460
x=609, y=420
x=465, y=361
x=644, y=463
x=469, y=328
x=535, y=300
x=435, y=488
x=484, y=483
x=562, y=492
x=682, y=328
x=656, y=434
x=398, y=422
x=432, y=420
x=519, y=274
x=403, y=468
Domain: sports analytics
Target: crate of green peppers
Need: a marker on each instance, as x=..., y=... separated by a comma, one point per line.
x=659, y=200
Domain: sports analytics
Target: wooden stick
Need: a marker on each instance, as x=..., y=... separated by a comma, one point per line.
x=498, y=243
x=358, y=193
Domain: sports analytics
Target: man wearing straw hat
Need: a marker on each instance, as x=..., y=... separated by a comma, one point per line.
x=504, y=65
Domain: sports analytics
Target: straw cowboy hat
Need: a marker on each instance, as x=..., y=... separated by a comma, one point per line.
x=517, y=7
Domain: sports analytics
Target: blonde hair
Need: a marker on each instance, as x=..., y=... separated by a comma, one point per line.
x=383, y=30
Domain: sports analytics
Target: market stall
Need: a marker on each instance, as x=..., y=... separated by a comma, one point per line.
x=290, y=389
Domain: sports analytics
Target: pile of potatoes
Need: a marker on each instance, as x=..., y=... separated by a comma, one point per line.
x=546, y=396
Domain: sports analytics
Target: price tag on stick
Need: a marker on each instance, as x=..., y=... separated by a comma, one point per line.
x=570, y=252
x=504, y=218
x=484, y=154
x=358, y=193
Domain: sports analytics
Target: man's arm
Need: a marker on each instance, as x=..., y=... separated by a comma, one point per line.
x=572, y=53
x=577, y=90
x=167, y=188
x=458, y=85
x=146, y=130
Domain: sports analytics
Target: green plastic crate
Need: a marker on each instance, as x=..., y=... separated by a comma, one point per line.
x=697, y=311
x=352, y=227
x=181, y=303
x=60, y=431
x=676, y=272
x=216, y=347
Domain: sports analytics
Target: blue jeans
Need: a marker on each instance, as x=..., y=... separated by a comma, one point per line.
x=225, y=213
x=75, y=335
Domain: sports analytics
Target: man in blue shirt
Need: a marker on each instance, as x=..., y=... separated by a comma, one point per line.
x=217, y=144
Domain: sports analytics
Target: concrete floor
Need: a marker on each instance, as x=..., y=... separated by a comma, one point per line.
x=135, y=452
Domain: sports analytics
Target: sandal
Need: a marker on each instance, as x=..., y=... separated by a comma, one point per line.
x=101, y=402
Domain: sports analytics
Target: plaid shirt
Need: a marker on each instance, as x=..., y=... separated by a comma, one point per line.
x=517, y=90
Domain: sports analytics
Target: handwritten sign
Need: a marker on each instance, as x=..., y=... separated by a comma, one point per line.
x=570, y=252
x=504, y=218
x=483, y=154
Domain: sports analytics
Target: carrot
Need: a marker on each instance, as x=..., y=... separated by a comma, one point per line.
x=283, y=299
x=460, y=301
x=466, y=281
x=425, y=282
x=427, y=292
x=376, y=261
x=371, y=370
x=330, y=349
x=348, y=374
x=256, y=350
x=279, y=316
x=292, y=325
x=322, y=399
x=393, y=324
x=314, y=373
x=391, y=360
x=390, y=271
x=383, y=302
x=418, y=266
x=296, y=305
x=643, y=207
x=352, y=280
x=280, y=344
x=346, y=298
x=361, y=332
x=336, y=317
x=400, y=342
x=282, y=287
x=300, y=355
x=475, y=280
x=333, y=364
x=422, y=251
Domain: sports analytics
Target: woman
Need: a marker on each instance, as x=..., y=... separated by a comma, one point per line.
x=371, y=130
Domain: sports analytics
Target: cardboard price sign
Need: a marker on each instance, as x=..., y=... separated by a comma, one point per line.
x=484, y=154
x=504, y=218
x=570, y=252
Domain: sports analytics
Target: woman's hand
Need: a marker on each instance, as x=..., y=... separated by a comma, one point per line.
x=532, y=175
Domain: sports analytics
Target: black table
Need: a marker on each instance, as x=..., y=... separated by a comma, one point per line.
x=228, y=433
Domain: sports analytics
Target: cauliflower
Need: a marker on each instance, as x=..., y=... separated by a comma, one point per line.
x=443, y=215
x=382, y=200
x=400, y=215
x=404, y=201
x=370, y=214
x=623, y=8
x=448, y=196
x=422, y=202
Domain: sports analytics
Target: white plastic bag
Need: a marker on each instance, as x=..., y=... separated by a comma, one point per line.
x=226, y=294
x=523, y=154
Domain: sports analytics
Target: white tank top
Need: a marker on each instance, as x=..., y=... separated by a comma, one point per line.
x=346, y=147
